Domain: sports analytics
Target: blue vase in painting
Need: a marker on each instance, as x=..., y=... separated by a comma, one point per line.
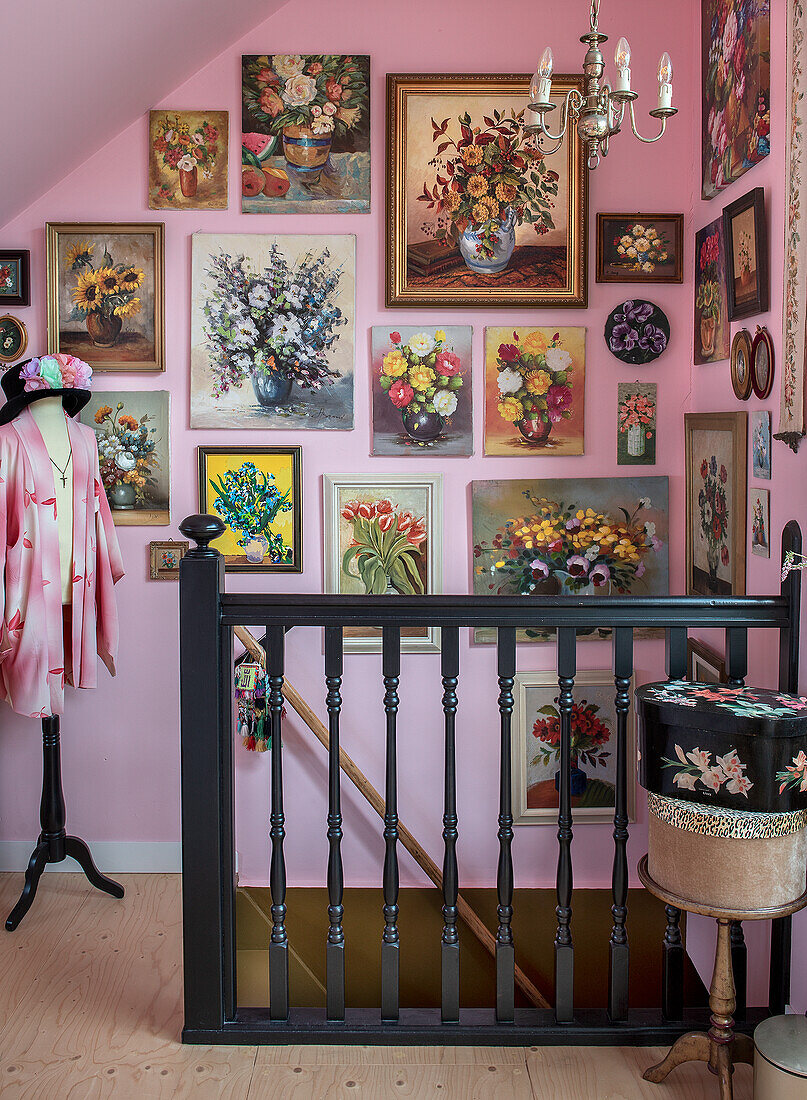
x=503, y=245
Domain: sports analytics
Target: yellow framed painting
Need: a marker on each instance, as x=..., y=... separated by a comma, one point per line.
x=257, y=493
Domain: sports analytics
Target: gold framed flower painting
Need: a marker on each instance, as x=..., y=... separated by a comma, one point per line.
x=477, y=213
x=188, y=160
x=535, y=381
x=106, y=294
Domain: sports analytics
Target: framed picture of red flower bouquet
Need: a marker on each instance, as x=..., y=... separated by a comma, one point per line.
x=536, y=749
x=477, y=213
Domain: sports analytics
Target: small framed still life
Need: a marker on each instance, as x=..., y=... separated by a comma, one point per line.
x=746, y=238
x=257, y=492
x=636, y=423
x=15, y=283
x=164, y=559
x=761, y=522
x=761, y=444
x=640, y=248
x=384, y=537
x=716, y=455
x=704, y=664
x=741, y=364
x=762, y=360
x=13, y=339
x=536, y=749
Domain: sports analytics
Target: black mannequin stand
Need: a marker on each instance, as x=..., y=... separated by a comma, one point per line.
x=54, y=844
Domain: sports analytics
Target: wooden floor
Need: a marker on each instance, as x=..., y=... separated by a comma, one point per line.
x=91, y=1009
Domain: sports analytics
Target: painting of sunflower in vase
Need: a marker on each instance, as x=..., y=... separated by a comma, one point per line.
x=105, y=294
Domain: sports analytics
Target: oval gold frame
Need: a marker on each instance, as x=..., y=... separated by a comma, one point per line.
x=762, y=336
x=741, y=342
x=24, y=335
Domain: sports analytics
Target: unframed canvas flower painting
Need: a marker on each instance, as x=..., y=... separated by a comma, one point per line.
x=636, y=423
x=188, y=160
x=421, y=381
x=305, y=141
x=272, y=332
x=535, y=391
x=735, y=69
x=712, y=334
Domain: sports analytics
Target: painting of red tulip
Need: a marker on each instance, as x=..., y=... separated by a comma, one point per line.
x=383, y=537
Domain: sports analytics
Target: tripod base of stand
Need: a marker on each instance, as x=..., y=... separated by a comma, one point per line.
x=74, y=847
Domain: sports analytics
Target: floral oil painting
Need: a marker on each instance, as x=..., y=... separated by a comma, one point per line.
x=257, y=492
x=536, y=748
x=305, y=133
x=132, y=430
x=712, y=335
x=735, y=70
x=572, y=537
x=188, y=160
x=421, y=386
x=716, y=503
x=272, y=331
x=761, y=522
x=636, y=423
x=106, y=294
x=478, y=213
x=383, y=537
x=535, y=380
x=640, y=248
x=761, y=444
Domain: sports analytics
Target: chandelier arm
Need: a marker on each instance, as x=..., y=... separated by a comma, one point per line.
x=564, y=118
x=646, y=141
x=619, y=115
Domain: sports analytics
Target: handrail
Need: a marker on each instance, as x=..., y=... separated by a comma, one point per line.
x=264, y=609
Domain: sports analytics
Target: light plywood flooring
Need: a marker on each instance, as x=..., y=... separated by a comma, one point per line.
x=91, y=1009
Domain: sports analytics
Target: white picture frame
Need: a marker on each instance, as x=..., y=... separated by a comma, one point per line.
x=419, y=494
x=534, y=687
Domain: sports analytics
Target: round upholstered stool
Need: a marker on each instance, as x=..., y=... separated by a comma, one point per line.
x=733, y=866
x=780, y=1065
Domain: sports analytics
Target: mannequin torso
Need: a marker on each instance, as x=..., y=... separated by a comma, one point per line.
x=51, y=420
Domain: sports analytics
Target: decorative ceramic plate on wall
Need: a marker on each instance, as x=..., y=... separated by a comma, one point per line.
x=637, y=331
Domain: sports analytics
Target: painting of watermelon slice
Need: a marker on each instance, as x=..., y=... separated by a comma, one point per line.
x=255, y=148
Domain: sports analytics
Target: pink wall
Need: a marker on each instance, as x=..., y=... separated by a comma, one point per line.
x=121, y=743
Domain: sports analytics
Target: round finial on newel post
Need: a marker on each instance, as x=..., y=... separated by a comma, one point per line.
x=202, y=530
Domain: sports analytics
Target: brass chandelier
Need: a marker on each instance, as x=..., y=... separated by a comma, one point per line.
x=600, y=110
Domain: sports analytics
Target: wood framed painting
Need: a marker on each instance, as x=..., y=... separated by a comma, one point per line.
x=188, y=160
x=712, y=333
x=422, y=390
x=640, y=248
x=762, y=363
x=761, y=522
x=735, y=73
x=761, y=444
x=536, y=749
x=741, y=360
x=15, y=279
x=636, y=423
x=477, y=214
x=132, y=428
x=704, y=664
x=746, y=237
x=164, y=559
x=535, y=388
x=13, y=338
x=272, y=330
x=384, y=536
x=716, y=455
x=570, y=537
x=305, y=140
x=257, y=492
x=106, y=294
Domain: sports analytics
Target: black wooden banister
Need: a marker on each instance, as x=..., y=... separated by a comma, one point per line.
x=207, y=616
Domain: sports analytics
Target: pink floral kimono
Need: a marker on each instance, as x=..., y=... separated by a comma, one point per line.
x=41, y=646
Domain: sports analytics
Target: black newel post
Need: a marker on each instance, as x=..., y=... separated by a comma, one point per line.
x=208, y=879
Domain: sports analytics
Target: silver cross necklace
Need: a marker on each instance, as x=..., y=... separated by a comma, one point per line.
x=63, y=470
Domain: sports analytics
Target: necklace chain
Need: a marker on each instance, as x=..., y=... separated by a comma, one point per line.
x=63, y=470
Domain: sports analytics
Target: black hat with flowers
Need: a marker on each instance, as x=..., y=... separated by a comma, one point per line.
x=57, y=375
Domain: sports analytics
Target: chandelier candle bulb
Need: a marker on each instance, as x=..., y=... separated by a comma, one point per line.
x=622, y=62
x=665, y=74
x=541, y=86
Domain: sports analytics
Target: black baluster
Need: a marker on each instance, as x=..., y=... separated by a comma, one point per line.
x=278, y=944
x=391, y=667
x=450, y=950
x=736, y=655
x=672, y=978
x=619, y=949
x=564, y=949
x=335, y=947
x=781, y=955
x=739, y=964
x=676, y=653
x=505, y=951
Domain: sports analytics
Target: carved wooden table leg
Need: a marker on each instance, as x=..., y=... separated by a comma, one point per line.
x=720, y=1047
